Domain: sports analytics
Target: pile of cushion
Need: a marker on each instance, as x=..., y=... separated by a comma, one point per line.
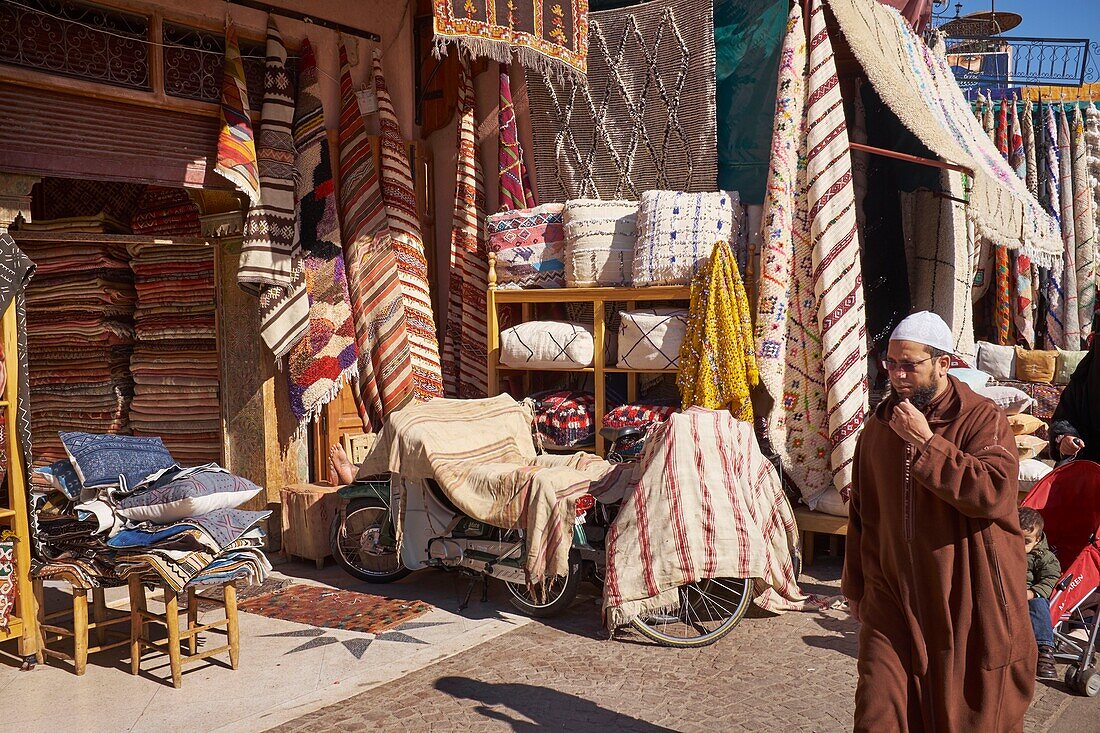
x=120, y=505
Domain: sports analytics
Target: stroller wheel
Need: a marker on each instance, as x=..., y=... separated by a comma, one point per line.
x=1071, y=676
x=1088, y=682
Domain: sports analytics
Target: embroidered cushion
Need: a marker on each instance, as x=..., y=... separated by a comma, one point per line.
x=677, y=231
x=635, y=416
x=650, y=338
x=114, y=460
x=192, y=496
x=1013, y=401
x=529, y=246
x=63, y=478
x=565, y=419
x=546, y=345
x=997, y=361
x=1035, y=366
x=599, y=242
x=1029, y=446
x=1025, y=424
x=1067, y=365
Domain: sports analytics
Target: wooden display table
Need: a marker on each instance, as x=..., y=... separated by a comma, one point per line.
x=811, y=523
x=308, y=511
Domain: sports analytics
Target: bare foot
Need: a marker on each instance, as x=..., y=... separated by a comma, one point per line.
x=341, y=467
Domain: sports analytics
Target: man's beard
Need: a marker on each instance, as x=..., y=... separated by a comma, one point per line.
x=921, y=397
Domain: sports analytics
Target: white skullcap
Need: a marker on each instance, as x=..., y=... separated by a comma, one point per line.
x=925, y=328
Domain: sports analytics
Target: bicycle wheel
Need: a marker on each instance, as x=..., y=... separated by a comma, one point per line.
x=355, y=543
x=705, y=612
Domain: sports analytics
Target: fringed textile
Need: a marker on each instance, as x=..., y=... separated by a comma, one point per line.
x=717, y=365
x=515, y=185
x=408, y=244
x=272, y=265
x=381, y=337
x=1054, y=332
x=325, y=358
x=236, y=160
x=1084, y=230
x=1070, y=314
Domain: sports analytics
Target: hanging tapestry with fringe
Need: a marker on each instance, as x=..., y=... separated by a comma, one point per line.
x=325, y=357
x=236, y=142
x=546, y=36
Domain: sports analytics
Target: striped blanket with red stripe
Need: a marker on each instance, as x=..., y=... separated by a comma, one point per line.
x=705, y=504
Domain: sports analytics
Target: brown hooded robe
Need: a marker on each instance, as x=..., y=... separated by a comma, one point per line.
x=937, y=563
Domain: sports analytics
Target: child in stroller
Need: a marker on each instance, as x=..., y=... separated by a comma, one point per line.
x=1043, y=571
x=1068, y=499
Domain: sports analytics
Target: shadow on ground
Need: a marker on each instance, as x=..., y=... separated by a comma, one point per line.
x=531, y=708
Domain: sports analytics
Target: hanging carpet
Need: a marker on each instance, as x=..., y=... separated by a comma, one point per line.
x=917, y=83
x=1084, y=230
x=381, y=336
x=549, y=37
x=1070, y=314
x=644, y=120
x=325, y=357
x=515, y=185
x=811, y=336
x=408, y=245
x=465, y=368
x=1054, y=326
x=236, y=160
x=271, y=264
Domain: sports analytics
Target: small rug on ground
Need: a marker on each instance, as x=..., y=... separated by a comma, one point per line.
x=334, y=609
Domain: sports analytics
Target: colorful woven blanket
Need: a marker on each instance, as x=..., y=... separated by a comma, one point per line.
x=811, y=337
x=465, y=368
x=706, y=504
x=321, y=362
x=271, y=264
x=236, y=143
x=408, y=244
x=515, y=185
x=385, y=361
x=549, y=36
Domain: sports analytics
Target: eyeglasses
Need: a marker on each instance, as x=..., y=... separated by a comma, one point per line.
x=902, y=366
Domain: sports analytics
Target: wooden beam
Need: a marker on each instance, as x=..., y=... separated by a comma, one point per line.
x=930, y=162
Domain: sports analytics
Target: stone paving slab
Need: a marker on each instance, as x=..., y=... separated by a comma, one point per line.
x=794, y=672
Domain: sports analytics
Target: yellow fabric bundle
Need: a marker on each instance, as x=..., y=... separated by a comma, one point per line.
x=717, y=358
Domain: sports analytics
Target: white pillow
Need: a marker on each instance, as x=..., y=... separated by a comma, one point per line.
x=651, y=338
x=997, y=361
x=599, y=242
x=192, y=494
x=1031, y=472
x=547, y=344
x=677, y=232
x=1067, y=364
x=1013, y=401
x=973, y=378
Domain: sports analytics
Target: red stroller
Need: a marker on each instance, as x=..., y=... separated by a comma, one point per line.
x=1069, y=500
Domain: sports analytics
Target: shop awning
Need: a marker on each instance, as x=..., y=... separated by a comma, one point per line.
x=916, y=83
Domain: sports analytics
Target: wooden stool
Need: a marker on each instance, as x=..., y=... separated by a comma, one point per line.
x=141, y=618
x=811, y=523
x=103, y=618
x=308, y=511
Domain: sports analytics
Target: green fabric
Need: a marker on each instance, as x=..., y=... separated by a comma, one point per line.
x=748, y=38
x=1043, y=569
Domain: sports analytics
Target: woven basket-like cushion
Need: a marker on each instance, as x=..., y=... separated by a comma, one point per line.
x=566, y=419
x=599, y=242
x=529, y=246
x=547, y=344
x=635, y=416
x=650, y=338
x=677, y=231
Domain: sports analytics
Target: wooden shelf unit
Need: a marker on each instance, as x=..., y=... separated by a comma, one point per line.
x=23, y=622
x=528, y=299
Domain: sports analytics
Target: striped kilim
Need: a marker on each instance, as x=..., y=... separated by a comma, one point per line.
x=1070, y=315
x=1002, y=131
x=271, y=263
x=321, y=362
x=385, y=362
x=1054, y=332
x=515, y=185
x=823, y=401
x=465, y=368
x=236, y=143
x=408, y=244
x=1084, y=229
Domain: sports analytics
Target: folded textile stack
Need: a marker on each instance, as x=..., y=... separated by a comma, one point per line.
x=80, y=334
x=166, y=212
x=175, y=361
x=101, y=223
x=119, y=506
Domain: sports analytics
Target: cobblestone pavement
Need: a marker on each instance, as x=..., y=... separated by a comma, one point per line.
x=784, y=673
